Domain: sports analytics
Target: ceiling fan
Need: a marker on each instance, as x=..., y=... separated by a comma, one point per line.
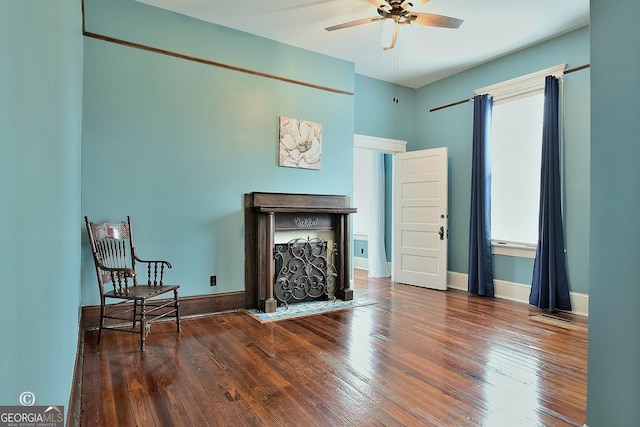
x=400, y=12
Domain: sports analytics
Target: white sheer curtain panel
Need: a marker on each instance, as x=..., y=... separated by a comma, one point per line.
x=377, y=254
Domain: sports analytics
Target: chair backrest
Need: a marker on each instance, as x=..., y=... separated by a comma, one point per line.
x=112, y=247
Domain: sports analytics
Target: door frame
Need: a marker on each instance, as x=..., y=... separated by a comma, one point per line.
x=386, y=146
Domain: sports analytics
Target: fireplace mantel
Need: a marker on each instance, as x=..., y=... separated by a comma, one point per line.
x=266, y=213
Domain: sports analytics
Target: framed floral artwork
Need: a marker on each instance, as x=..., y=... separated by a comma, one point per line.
x=300, y=144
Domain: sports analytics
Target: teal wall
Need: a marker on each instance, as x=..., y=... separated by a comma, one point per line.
x=176, y=144
x=377, y=115
x=614, y=318
x=360, y=248
x=40, y=122
x=452, y=127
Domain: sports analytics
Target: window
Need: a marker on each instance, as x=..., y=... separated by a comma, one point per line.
x=516, y=149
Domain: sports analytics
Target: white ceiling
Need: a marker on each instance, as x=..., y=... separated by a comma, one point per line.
x=491, y=28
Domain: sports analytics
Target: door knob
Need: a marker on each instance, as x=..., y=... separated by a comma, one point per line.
x=441, y=232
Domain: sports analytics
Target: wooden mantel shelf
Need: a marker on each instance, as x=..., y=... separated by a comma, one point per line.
x=306, y=209
x=267, y=212
x=270, y=202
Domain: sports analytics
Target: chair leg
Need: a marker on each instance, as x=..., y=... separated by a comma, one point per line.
x=101, y=323
x=143, y=324
x=177, y=306
x=135, y=313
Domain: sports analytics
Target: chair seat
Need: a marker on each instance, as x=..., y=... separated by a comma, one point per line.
x=143, y=291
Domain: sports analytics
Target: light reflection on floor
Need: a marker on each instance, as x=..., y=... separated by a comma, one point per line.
x=360, y=344
x=517, y=385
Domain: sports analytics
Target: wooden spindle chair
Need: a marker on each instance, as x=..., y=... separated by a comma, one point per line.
x=115, y=261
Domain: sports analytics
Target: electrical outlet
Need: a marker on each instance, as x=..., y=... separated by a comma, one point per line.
x=212, y=281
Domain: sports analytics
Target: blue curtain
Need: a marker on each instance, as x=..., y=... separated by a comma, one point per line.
x=550, y=287
x=480, y=260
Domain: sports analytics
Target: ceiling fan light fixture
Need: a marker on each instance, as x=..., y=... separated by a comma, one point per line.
x=394, y=13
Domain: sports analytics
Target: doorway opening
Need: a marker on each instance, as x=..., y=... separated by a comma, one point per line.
x=366, y=217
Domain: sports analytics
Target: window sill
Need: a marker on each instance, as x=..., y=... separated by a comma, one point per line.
x=513, y=249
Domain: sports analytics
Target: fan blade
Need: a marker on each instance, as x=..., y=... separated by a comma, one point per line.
x=382, y=4
x=417, y=3
x=354, y=23
x=433, y=20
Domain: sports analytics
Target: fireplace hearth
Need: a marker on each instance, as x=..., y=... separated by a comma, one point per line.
x=312, y=262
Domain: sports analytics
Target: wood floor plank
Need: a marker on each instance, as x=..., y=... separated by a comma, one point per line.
x=415, y=357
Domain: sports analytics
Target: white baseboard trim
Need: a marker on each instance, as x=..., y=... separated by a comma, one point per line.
x=360, y=263
x=363, y=264
x=517, y=292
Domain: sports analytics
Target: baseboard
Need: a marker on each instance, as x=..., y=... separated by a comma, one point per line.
x=75, y=398
x=363, y=264
x=189, y=306
x=517, y=292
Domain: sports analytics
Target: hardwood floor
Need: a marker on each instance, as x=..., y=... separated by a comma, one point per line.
x=416, y=357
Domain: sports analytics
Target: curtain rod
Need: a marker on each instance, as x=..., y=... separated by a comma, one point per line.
x=204, y=61
x=463, y=101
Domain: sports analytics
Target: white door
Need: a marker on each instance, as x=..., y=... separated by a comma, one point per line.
x=420, y=218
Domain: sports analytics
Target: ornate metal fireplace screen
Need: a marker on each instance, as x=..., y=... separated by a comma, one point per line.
x=305, y=269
